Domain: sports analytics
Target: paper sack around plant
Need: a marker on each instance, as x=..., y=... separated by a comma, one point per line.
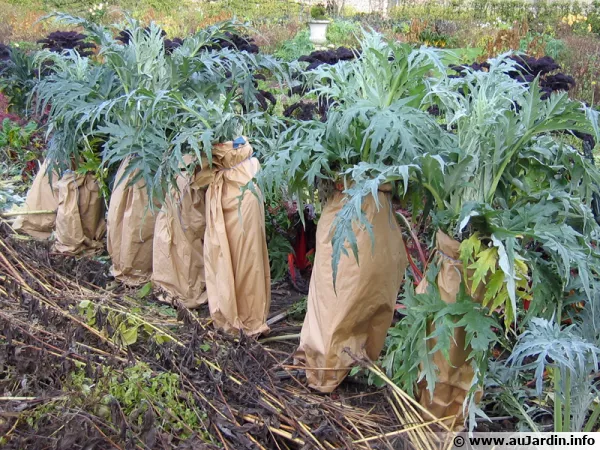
x=359, y=314
x=80, y=224
x=130, y=229
x=238, y=277
x=455, y=376
x=40, y=197
x=178, y=247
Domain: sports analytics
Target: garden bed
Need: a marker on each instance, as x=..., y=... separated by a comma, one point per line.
x=79, y=378
x=88, y=362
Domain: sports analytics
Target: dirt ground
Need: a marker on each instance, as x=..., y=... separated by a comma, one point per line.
x=242, y=393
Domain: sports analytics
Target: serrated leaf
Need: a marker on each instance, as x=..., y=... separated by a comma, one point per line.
x=444, y=337
x=85, y=304
x=128, y=334
x=469, y=248
x=145, y=290
x=495, y=284
x=484, y=264
x=161, y=338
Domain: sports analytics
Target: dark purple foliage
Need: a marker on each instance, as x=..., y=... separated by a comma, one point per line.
x=535, y=67
x=559, y=82
x=523, y=78
x=263, y=98
x=59, y=41
x=4, y=52
x=233, y=42
x=169, y=44
x=4, y=57
x=269, y=97
x=434, y=110
x=331, y=57
x=309, y=110
x=299, y=89
x=475, y=66
x=172, y=44
x=125, y=35
x=302, y=111
x=528, y=69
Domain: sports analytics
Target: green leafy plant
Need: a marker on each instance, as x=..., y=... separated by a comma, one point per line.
x=152, y=107
x=433, y=38
x=509, y=393
x=298, y=310
x=516, y=194
x=9, y=189
x=466, y=190
x=295, y=48
x=15, y=141
x=279, y=249
x=127, y=327
x=343, y=32
x=91, y=162
x=277, y=226
x=142, y=395
x=14, y=136
x=573, y=361
x=318, y=12
x=139, y=387
x=409, y=355
x=69, y=95
x=18, y=77
x=593, y=17
x=484, y=262
x=374, y=132
x=555, y=48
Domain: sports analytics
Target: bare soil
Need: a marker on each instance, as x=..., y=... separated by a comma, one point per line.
x=244, y=391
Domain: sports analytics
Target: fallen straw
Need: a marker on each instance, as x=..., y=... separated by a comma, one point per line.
x=405, y=396
x=274, y=430
x=399, y=432
x=278, y=318
x=220, y=382
x=287, y=337
x=27, y=213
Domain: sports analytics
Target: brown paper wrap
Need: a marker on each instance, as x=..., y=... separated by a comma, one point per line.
x=39, y=198
x=455, y=376
x=130, y=228
x=238, y=278
x=358, y=316
x=178, y=248
x=80, y=224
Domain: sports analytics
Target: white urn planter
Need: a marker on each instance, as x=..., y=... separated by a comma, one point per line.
x=318, y=31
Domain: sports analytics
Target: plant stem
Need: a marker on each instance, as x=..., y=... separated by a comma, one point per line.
x=415, y=239
x=567, y=409
x=280, y=338
x=366, y=151
x=527, y=417
x=195, y=113
x=558, y=425
x=435, y=194
x=593, y=419
x=395, y=85
x=27, y=213
x=558, y=421
x=489, y=196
